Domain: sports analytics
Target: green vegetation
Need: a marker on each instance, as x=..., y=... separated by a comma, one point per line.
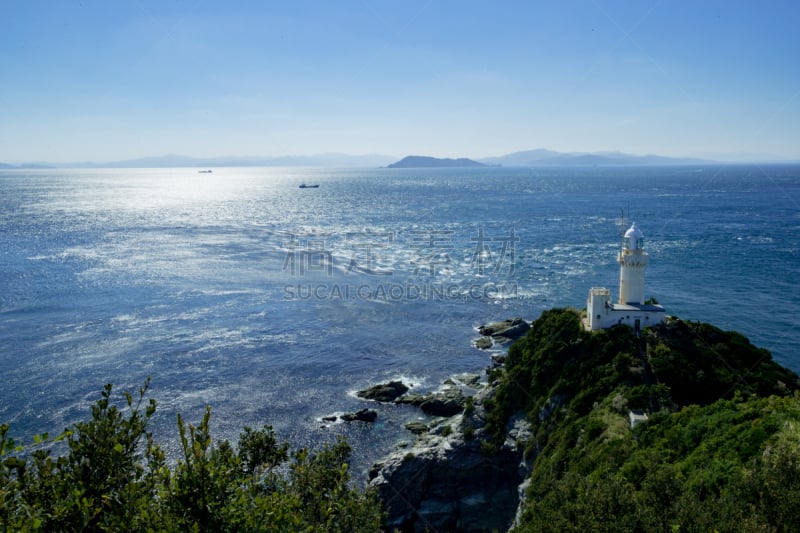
x=469, y=432
x=469, y=406
x=114, y=477
x=720, y=451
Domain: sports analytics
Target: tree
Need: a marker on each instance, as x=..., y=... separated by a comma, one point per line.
x=113, y=477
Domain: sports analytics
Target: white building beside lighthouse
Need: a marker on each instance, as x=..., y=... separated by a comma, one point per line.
x=631, y=308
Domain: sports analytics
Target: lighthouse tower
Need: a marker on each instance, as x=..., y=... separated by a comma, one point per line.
x=632, y=261
x=631, y=308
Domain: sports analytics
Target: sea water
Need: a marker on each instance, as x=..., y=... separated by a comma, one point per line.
x=273, y=304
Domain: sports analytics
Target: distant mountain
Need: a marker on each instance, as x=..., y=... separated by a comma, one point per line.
x=532, y=158
x=27, y=166
x=170, y=160
x=318, y=160
x=331, y=160
x=419, y=161
x=36, y=165
x=526, y=158
x=173, y=161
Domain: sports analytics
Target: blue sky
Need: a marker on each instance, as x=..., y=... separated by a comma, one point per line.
x=101, y=81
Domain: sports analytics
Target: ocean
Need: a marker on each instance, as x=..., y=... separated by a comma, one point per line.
x=273, y=304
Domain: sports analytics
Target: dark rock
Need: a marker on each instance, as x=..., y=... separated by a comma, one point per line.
x=364, y=415
x=332, y=418
x=470, y=380
x=417, y=428
x=411, y=399
x=499, y=359
x=505, y=330
x=374, y=471
x=446, y=403
x=386, y=392
x=484, y=343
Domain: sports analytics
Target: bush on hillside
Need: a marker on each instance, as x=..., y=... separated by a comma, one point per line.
x=114, y=477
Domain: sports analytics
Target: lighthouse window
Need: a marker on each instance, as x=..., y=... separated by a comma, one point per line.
x=598, y=317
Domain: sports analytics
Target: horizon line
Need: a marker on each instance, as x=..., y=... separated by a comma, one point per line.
x=286, y=160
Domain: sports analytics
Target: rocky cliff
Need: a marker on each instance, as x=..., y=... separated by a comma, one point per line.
x=447, y=481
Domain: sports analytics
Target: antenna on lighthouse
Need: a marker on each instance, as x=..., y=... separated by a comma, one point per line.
x=621, y=226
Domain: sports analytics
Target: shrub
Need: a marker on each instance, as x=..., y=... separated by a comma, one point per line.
x=113, y=477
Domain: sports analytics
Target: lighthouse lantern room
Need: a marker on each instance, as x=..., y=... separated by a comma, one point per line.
x=631, y=308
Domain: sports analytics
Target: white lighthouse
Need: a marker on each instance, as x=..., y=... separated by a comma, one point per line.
x=631, y=308
x=632, y=261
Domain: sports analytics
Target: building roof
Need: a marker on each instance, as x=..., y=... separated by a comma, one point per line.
x=644, y=308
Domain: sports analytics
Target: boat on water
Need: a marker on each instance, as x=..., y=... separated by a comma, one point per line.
x=204, y=171
x=304, y=186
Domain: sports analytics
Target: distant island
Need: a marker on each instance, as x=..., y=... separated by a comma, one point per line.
x=419, y=161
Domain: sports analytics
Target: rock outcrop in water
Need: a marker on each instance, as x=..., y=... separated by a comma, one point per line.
x=385, y=392
x=445, y=402
x=501, y=332
x=510, y=329
x=363, y=415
